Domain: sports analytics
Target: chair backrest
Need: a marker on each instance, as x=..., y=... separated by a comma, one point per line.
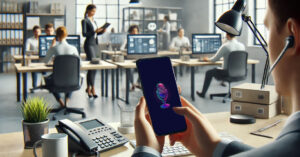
x=66, y=73
x=237, y=64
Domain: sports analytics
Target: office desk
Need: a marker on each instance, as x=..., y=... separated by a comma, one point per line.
x=159, y=53
x=12, y=143
x=41, y=67
x=127, y=65
x=195, y=62
x=172, y=53
x=19, y=58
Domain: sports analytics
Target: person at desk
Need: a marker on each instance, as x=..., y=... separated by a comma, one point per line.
x=49, y=30
x=166, y=32
x=91, y=31
x=282, y=19
x=133, y=29
x=32, y=46
x=180, y=41
x=61, y=48
x=231, y=45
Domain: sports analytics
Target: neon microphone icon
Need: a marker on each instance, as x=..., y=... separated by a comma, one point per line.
x=162, y=95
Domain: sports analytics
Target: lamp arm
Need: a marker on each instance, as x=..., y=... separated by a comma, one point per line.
x=263, y=43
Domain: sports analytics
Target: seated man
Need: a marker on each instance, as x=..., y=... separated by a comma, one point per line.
x=32, y=46
x=180, y=41
x=49, y=30
x=231, y=45
x=61, y=48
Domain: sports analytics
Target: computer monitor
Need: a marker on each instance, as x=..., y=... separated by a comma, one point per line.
x=204, y=44
x=45, y=42
x=116, y=40
x=141, y=45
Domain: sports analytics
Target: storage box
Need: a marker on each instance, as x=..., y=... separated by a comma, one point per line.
x=255, y=110
x=173, y=16
x=250, y=92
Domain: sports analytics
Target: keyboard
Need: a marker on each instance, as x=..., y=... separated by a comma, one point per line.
x=179, y=150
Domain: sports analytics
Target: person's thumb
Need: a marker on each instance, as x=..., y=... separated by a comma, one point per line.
x=187, y=112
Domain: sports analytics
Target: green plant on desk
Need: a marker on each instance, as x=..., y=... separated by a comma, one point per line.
x=35, y=112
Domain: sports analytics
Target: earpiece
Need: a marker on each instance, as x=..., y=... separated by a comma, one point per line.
x=289, y=43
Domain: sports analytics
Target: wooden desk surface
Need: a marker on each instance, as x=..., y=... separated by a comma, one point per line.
x=196, y=62
x=36, y=57
x=41, y=67
x=110, y=53
x=12, y=144
x=131, y=64
x=172, y=53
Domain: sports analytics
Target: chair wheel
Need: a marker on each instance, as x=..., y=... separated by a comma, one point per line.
x=53, y=118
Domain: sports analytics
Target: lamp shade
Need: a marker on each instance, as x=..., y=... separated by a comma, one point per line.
x=231, y=21
x=134, y=1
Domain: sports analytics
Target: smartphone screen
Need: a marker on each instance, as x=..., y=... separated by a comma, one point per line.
x=161, y=94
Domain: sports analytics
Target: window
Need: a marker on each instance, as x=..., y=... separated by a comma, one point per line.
x=107, y=10
x=259, y=14
x=221, y=6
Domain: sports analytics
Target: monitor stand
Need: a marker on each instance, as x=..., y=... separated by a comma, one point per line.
x=118, y=58
x=185, y=58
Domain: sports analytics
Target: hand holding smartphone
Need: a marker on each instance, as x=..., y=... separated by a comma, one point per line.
x=161, y=94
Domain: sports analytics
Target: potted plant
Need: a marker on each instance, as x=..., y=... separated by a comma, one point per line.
x=35, y=112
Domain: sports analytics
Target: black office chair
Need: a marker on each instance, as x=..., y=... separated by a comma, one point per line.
x=66, y=78
x=236, y=71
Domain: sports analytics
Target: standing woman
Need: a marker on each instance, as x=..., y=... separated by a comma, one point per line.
x=91, y=31
x=166, y=32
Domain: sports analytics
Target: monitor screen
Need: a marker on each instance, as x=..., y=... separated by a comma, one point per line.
x=141, y=44
x=205, y=43
x=45, y=43
x=117, y=38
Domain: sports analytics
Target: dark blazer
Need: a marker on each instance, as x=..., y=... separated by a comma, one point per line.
x=88, y=32
x=286, y=144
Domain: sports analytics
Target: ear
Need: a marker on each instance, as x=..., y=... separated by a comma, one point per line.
x=294, y=29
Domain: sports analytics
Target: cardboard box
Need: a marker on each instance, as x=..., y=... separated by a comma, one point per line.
x=255, y=110
x=250, y=92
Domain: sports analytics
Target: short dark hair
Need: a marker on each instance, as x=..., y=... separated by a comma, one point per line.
x=179, y=30
x=49, y=25
x=132, y=27
x=231, y=35
x=167, y=18
x=36, y=27
x=283, y=10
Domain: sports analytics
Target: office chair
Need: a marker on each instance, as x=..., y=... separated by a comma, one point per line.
x=66, y=78
x=236, y=71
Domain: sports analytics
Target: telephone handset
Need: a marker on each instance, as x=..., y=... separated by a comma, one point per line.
x=90, y=136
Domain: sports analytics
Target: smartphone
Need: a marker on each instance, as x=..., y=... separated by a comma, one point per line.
x=161, y=94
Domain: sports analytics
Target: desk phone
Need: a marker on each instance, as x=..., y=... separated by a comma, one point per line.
x=90, y=136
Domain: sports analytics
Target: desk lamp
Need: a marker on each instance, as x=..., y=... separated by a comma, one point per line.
x=134, y=1
x=232, y=22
